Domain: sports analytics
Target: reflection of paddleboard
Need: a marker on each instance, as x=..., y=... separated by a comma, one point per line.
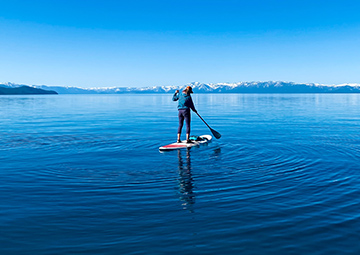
x=196, y=140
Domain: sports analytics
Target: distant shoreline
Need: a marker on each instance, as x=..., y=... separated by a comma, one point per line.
x=26, y=90
x=269, y=87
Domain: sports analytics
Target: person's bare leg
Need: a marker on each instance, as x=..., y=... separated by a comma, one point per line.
x=178, y=137
x=188, y=138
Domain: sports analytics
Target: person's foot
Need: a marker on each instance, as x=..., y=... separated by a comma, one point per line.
x=178, y=141
x=189, y=141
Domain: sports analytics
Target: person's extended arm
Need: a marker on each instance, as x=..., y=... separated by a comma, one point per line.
x=192, y=107
x=176, y=96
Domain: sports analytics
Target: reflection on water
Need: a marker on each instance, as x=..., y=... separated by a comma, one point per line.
x=217, y=152
x=185, y=181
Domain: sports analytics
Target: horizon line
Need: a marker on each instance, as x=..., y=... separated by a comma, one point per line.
x=189, y=83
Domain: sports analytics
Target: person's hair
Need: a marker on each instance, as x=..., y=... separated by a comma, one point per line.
x=188, y=90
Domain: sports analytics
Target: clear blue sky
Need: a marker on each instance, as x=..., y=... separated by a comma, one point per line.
x=102, y=43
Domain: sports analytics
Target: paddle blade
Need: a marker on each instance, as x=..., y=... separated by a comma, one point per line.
x=215, y=133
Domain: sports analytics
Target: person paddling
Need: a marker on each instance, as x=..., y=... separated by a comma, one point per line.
x=184, y=106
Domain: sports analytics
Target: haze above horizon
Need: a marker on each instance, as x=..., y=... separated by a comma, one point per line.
x=148, y=43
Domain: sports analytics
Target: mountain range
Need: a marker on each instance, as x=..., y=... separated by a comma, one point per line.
x=239, y=87
x=24, y=90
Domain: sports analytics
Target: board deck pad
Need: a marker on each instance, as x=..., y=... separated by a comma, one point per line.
x=197, y=140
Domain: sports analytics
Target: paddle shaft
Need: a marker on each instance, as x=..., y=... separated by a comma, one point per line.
x=214, y=132
x=203, y=120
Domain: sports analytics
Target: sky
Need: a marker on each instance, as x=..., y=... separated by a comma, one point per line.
x=104, y=43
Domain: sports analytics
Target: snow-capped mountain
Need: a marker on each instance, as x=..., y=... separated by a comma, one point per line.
x=239, y=87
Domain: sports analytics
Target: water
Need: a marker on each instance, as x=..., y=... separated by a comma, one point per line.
x=83, y=174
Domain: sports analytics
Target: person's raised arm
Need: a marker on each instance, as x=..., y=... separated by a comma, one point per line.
x=176, y=96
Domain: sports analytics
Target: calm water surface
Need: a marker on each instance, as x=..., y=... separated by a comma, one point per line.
x=83, y=174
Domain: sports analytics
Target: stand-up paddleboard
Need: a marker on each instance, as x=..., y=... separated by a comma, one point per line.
x=196, y=141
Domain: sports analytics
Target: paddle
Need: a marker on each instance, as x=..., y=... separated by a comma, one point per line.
x=214, y=132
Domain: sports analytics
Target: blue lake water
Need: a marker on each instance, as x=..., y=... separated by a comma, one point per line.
x=82, y=174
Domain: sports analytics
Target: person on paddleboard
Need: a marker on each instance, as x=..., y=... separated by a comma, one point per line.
x=184, y=106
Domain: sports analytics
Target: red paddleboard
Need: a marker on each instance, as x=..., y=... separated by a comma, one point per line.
x=196, y=141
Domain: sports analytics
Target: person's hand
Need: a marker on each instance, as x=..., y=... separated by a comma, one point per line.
x=195, y=111
x=177, y=91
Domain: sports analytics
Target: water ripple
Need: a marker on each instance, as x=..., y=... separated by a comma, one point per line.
x=84, y=175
